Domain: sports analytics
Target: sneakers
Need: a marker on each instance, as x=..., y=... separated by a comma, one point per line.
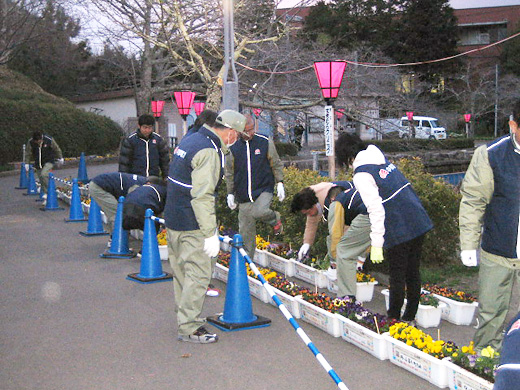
x=200, y=336
x=212, y=291
x=278, y=227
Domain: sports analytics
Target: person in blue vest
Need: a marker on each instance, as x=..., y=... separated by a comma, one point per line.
x=45, y=153
x=144, y=152
x=349, y=230
x=252, y=170
x=106, y=189
x=398, y=221
x=507, y=376
x=489, y=216
x=196, y=171
x=151, y=195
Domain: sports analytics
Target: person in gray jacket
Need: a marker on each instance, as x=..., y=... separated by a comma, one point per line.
x=252, y=169
x=489, y=218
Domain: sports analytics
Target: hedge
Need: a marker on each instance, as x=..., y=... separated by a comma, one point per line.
x=440, y=200
x=401, y=145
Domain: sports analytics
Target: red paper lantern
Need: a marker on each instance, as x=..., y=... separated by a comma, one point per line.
x=184, y=101
x=339, y=114
x=409, y=115
x=157, y=107
x=467, y=118
x=257, y=111
x=199, y=107
x=330, y=76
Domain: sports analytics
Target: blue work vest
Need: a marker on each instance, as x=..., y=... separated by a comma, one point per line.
x=507, y=375
x=500, y=235
x=352, y=204
x=405, y=217
x=149, y=196
x=326, y=203
x=118, y=183
x=252, y=171
x=178, y=213
x=146, y=159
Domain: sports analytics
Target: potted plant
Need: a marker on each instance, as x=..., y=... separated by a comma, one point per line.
x=460, y=306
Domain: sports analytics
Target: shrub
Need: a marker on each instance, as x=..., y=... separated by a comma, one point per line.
x=286, y=149
x=400, y=145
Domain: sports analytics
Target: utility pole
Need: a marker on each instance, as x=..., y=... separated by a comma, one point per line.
x=496, y=100
x=230, y=81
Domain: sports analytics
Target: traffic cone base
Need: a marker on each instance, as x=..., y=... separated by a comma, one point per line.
x=89, y=234
x=116, y=255
x=151, y=267
x=238, y=310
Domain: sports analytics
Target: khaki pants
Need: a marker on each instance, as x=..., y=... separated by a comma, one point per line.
x=192, y=270
x=496, y=280
x=249, y=213
x=352, y=244
x=106, y=201
x=43, y=176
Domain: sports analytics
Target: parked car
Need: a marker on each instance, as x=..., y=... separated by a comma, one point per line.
x=425, y=127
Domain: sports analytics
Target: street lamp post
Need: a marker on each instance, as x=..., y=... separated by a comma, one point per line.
x=467, y=119
x=157, y=107
x=184, y=101
x=409, y=115
x=199, y=107
x=330, y=76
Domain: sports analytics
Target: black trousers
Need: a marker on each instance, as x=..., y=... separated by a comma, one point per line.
x=404, y=260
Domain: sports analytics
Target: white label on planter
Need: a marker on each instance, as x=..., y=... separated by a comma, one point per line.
x=462, y=382
x=278, y=265
x=359, y=338
x=412, y=361
x=313, y=317
x=305, y=274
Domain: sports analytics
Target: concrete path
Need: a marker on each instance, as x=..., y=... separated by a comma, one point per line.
x=70, y=320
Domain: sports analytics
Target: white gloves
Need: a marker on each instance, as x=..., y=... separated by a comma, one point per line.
x=280, y=191
x=303, y=251
x=27, y=168
x=360, y=262
x=469, y=257
x=60, y=162
x=212, y=245
x=231, y=201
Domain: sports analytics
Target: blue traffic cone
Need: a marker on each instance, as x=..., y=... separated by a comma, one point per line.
x=31, y=184
x=95, y=224
x=23, y=178
x=151, y=268
x=119, y=246
x=52, y=197
x=82, y=170
x=238, y=310
x=76, y=210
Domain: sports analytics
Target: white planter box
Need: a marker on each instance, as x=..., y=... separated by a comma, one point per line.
x=289, y=301
x=257, y=290
x=461, y=379
x=85, y=207
x=220, y=272
x=163, y=252
x=310, y=275
x=285, y=266
x=364, y=290
x=417, y=362
x=426, y=317
x=318, y=317
x=225, y=247
x=261, y=258
x=369, y=341
x=458, y=313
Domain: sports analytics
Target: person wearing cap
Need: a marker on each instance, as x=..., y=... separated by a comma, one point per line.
x=398, y=221
x=489, y=217
x=144, y=152
x=106, y=189
x=252, y=169
x=195, y=173
x=45, y=153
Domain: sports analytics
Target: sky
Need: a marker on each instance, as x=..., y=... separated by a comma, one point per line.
x=456, y=4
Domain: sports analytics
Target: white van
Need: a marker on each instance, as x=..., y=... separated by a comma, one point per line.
x=426, y=127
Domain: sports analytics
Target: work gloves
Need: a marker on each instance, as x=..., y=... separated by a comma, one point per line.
x=27, y=168
x=376, y=255
x=359, y=263
x=231, y=201
x=303, y=251
x=59, y=162
x=212, y=245
x=280, y=191
x=469, y=257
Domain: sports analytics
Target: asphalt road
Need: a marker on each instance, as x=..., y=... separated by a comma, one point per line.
x=71, y=320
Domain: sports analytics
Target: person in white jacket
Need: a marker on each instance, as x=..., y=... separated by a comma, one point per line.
x=398, y=221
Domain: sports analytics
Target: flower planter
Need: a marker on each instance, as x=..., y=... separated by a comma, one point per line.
x=261, y=258
x=426, y=317
x=280, y=264
x=220, y=272
x=257, y=290
x=310, y=275
x=318, y=317
x=163, y=252
x=461, y=379
x=417, y=362
x=365, y=291
x=458, y=313
x=369, y=341
x=289, y=302
x=85, y=207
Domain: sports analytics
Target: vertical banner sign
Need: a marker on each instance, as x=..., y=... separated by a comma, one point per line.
x=329, y=131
